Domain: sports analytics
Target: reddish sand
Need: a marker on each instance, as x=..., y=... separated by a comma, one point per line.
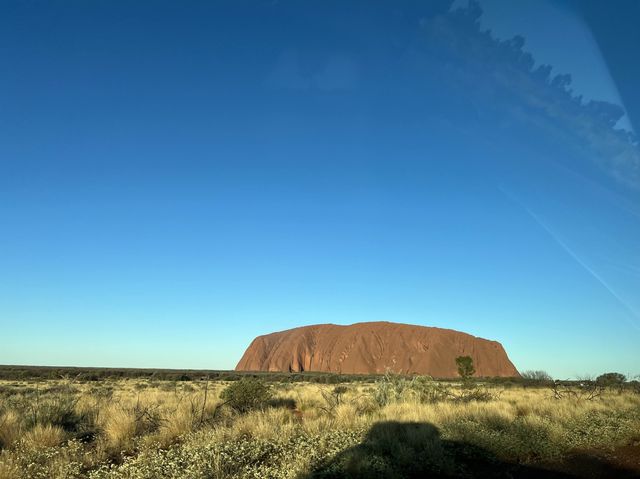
x=373, y=348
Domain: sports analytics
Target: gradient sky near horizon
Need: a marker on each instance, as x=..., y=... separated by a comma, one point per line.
x=179, y=177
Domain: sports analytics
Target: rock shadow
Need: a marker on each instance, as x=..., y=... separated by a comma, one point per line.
x=413, y=450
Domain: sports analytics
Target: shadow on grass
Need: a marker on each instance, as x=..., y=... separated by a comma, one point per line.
x=284, y=403
x=394, y=450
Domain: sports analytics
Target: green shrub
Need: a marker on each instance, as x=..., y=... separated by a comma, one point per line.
x=58, y=410
x=246, y=395
x=475, y=393
x=536, y=377
x=465, y=367
x=242, y=458
x=429, y=391
x=389, y=388
x=508, y=439
x=611, y=380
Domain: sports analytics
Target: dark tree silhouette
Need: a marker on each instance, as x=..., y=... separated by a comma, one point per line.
x=465, y=367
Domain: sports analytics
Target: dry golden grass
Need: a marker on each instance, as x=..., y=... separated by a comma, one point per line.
x=136, y=417
x=10, y=428
x=118, y=427
x=44, y=435
x=9, y=471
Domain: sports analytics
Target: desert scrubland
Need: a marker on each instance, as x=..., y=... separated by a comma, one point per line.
x=390, y=427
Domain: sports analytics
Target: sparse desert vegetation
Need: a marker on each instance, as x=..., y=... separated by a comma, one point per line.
x=390, y=427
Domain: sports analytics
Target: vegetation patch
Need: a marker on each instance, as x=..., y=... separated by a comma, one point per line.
x=395, y=427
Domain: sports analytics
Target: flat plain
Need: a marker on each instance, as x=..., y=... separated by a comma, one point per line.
x=388, y=427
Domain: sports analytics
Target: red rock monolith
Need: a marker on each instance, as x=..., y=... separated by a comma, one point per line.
x=375, y=347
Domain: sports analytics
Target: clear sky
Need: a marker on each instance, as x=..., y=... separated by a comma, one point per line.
x=179, y=177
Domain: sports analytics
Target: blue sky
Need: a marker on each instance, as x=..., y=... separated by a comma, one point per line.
x=177, y=178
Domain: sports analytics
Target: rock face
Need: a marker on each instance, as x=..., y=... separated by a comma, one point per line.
x=373, y=348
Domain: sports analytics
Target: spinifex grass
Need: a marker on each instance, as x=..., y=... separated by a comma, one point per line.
x=143, y=429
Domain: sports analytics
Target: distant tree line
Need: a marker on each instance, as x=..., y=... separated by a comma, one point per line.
x=464, y=364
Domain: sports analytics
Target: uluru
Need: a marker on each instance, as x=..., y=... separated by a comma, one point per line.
x=375, y=347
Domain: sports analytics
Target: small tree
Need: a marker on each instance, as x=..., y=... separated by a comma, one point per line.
x=538, y=376
x=611, y=380
x=246, y=395
x=333, y=398
x=465, y=367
